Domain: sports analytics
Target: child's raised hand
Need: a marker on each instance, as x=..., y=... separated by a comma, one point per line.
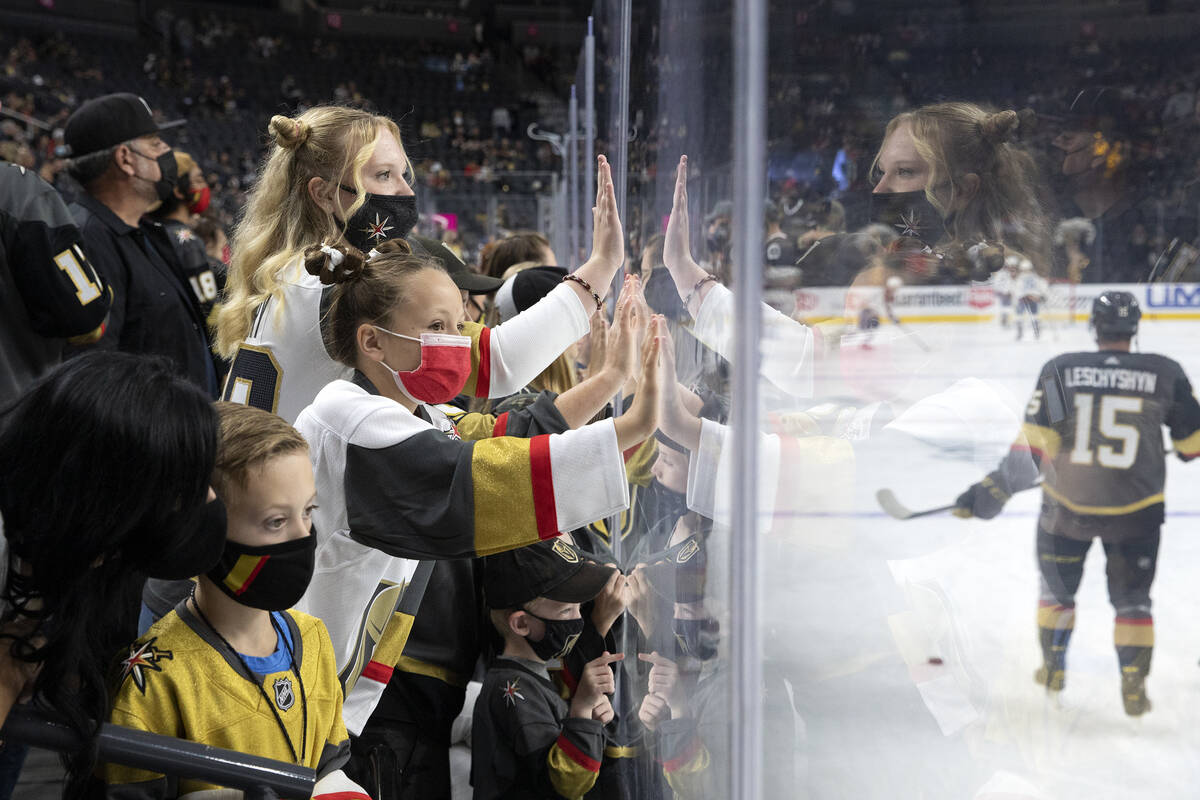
x=608, y=240
x=623, y=337
x=664, y=679
x=654, y=711
x=639, y=599
x=641, y=420
x=610, y=603
x=596, y=681
x=676, y=420
x=677, y=252
x=603, y=710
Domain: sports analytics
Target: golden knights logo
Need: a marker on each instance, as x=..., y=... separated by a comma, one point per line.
x=284, y=697
x=141, y=658
x=565, y=551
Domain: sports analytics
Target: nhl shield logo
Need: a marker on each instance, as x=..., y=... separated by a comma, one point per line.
x=284, y=698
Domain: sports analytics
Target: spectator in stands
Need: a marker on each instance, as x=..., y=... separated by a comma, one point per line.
x=91, y=509
x=126, y=169
x=216, y=245
x=1096, y=144
x=190, y=197
x=49, y=292
x=372, y=314
x=516, y=248
x=231, y=666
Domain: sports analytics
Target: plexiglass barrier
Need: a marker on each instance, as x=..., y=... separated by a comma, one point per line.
x=978, y=223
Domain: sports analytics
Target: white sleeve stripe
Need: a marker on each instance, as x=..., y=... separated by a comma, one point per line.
x=529, y=342
x=589, y=475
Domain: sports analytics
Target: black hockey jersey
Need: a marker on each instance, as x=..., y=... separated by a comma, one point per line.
x=48, y=290
x=1094, y=425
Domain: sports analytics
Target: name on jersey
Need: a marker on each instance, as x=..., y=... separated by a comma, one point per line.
x=1124, y=380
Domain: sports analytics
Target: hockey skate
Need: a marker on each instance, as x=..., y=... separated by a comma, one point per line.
x=1133, y=691
x=1052, y=677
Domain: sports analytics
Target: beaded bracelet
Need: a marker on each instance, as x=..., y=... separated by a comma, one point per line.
x=587, y=287
x=687, y=301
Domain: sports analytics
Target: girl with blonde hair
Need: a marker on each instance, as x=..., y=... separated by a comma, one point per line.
x=337, y=176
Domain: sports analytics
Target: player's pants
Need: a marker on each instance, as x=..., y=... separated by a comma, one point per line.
x=1130, y=568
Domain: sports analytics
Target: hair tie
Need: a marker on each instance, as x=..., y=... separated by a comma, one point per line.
x=336, y=257
x=373, y=254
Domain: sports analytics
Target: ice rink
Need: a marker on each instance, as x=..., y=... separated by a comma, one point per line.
x=857, y=603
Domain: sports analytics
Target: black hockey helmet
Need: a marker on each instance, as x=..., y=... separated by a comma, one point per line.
x=1115, y=315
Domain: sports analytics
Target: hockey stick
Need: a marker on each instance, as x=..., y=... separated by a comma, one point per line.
x=897, y=510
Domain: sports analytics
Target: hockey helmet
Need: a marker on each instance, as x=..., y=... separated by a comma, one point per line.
x=1115, y=315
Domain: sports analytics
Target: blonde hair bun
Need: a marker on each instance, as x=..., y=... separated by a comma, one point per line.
x=288, y=133
x=1000, y=127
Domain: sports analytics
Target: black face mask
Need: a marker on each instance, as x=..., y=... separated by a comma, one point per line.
x=196, y=543
x=908, y=214
x=696, y=638
x=273, y=577
x=379, y=218
x=559, y=638
x=164, y=187
x=718, y=238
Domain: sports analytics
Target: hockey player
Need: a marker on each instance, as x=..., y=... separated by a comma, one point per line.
x=1030, y=290
x=1092, y=431
x=1003, y=285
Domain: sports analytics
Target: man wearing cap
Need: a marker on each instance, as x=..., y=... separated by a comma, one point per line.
x=1096, y=138
x=126, y=169
x=526, y=741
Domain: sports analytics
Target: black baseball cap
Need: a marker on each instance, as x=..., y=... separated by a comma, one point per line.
x=463, y=276
x=554, y=569
x=524, y=289
x=106, y=121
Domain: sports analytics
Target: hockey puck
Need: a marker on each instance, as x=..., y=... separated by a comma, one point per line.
x=935, y=660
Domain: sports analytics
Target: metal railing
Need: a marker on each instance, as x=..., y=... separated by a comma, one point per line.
x=260, y=778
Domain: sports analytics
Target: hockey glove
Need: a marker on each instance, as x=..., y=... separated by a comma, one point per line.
x=984, y=500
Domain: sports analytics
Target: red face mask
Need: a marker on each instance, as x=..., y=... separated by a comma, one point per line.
x=445, y=367
x=198, y=200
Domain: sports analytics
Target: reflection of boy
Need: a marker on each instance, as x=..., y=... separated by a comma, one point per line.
x=526, y=740
x=229, y=666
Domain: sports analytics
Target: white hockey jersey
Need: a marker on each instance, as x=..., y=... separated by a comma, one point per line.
x=394, y=487
x=283, y=364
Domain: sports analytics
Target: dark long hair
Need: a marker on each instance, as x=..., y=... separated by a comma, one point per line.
x=99, y=460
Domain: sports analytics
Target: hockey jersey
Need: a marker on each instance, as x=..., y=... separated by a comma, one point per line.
x=523, y=744
x=48, y=289
x=283, y=363
x=395, y=488
x=1093, y=426
x=180, y=680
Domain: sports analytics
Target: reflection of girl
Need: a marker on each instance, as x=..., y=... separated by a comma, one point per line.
x=952, y=174
x=90, y=509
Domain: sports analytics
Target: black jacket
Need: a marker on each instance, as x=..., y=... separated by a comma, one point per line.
x=153, y=309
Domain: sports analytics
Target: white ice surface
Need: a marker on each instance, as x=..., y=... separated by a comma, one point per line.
x=857, y=603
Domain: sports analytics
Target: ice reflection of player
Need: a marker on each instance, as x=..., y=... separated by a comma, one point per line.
x=1030, y=291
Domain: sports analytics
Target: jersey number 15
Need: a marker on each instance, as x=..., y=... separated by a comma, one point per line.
x=1109, y=427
